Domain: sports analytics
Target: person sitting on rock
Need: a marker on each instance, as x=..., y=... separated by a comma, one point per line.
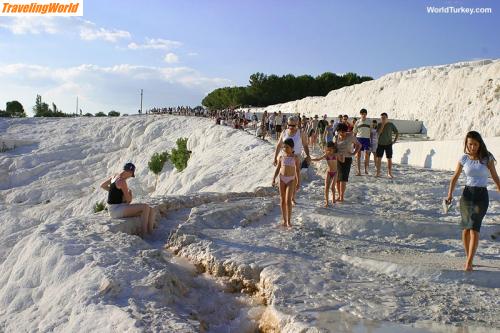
x=120, y=198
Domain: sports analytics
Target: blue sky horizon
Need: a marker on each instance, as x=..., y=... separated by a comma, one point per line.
x=178, y=51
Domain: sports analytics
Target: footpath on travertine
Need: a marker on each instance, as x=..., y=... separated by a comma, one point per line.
x=386, y=254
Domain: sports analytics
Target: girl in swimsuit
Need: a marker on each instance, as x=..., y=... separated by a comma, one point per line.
x=331, y=156
x=288, y=168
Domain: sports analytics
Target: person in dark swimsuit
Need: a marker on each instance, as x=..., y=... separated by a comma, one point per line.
x=331, y=156
x=120, y=198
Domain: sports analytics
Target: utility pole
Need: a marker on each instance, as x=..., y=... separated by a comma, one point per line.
x=141, y=101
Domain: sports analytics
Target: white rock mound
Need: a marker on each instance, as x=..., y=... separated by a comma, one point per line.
x=450, y=99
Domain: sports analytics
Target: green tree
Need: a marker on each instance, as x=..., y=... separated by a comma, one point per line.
x=15, y=109
x=41, y=109
x=88, y=115
x=100, y=114
x=180, y=156
x=256, y=89
x=113, y=113
x=157, y=162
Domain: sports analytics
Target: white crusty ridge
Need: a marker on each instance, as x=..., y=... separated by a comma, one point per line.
x=450, y=99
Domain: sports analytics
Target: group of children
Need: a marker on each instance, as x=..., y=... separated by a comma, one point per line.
x=363, y=135
x=288, y=169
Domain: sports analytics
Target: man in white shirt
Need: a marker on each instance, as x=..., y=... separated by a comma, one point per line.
x=362, y=130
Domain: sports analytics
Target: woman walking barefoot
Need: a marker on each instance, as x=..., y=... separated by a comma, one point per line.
x=476, y=163
x=288, y=168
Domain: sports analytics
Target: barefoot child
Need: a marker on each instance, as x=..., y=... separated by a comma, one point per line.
x=331, y=157
x=288, y=168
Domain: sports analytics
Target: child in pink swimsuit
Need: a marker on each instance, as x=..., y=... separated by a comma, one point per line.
x=331, y=156
x=288, y=168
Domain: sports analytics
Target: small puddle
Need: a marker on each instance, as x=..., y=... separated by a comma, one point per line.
x=341, y=322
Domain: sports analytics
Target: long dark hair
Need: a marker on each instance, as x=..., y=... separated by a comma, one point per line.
x=484, y=155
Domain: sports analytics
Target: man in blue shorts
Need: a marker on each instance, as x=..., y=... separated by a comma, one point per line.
x=362, y=130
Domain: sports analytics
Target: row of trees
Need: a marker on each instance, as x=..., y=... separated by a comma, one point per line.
x=15, y=109
x=264, y=90
x=42, y=109
x=102, y=114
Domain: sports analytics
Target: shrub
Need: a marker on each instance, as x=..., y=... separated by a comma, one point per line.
x=88, y=115
x=113, y=113
x=100, y=114
x=157, y=162
x=4, y=147
x=180, y=156
x=15, y=109
x=99, y=206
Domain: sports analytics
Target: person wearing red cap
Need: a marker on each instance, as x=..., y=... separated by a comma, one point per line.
x=120, y=198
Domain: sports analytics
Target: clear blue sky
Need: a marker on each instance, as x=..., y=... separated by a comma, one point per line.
x=178, y=51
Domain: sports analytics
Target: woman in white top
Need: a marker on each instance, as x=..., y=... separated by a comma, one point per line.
x=476, y=163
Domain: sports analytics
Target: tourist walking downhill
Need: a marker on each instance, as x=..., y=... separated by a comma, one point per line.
x=362, y=130
x=477, y=163
x=385, y=131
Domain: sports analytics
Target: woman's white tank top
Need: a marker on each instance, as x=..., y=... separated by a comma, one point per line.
x=297, y=141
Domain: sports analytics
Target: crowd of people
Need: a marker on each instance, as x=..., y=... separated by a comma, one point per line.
x=340, y=140
x=345, y=140
x=197, y=111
